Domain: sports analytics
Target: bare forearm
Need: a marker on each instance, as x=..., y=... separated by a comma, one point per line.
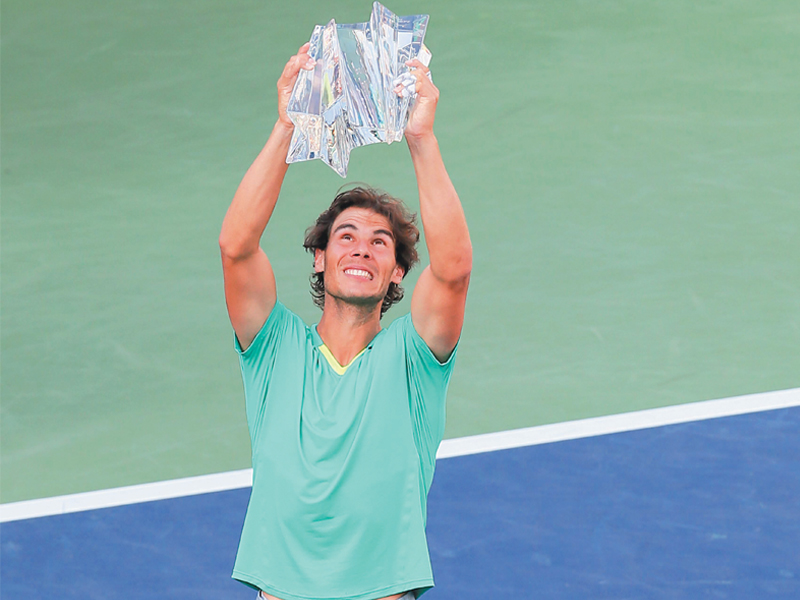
x=256, y=197
x=446, y=232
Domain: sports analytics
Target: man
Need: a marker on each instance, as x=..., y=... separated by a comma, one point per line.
x=345, y=417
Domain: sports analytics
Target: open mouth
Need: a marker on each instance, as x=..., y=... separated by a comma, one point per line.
x=358, y=273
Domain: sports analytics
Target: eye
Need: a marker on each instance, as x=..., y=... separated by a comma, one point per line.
x=380, y=241
x=347, y=237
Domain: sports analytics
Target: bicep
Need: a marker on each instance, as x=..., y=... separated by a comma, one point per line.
x=250, y=293
x=437, y=311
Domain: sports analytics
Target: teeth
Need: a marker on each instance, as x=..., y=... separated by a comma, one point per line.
x=358, y=272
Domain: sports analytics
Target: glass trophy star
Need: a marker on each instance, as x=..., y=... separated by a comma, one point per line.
x=347, y=100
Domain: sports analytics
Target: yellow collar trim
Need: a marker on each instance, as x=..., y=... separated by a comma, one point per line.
x=340, y=370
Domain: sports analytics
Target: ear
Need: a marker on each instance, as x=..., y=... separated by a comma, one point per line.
x=319, y=261
x=398, y=274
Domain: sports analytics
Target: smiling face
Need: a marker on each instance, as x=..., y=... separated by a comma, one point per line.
x=359, y=261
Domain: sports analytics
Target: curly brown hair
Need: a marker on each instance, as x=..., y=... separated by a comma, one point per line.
x=404, y=230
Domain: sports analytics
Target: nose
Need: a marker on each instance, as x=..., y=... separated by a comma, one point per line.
x=361, y=249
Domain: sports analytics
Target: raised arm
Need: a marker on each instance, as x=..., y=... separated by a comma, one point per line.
x=249, y=281
x=437, y=305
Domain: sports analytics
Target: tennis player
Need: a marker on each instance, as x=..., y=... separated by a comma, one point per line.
x=345, y=417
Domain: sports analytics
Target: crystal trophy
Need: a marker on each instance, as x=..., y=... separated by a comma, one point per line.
x=347, y=100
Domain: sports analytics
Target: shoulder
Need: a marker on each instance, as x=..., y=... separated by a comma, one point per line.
x=402, y=330
x=281, y=324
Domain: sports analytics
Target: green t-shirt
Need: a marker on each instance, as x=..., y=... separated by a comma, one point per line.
x=342, y=462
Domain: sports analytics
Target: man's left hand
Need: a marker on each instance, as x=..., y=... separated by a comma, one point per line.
x=420, y=121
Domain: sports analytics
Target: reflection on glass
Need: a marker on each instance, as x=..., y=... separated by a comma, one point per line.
x=348, y=99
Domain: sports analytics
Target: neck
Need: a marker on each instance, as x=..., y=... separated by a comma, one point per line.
x=346, y=329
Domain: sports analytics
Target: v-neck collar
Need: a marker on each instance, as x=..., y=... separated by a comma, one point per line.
x=331, y=359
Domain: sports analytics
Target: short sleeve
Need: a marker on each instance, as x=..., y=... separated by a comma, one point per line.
x=428, y=382
x=281, y=328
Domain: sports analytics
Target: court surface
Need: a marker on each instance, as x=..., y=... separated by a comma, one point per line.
x=631, y=175
x=704, y=509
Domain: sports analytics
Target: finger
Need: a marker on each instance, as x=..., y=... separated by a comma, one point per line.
x=301, y=60
x=425, y=84
x=306, y=62
x=405, y=85
x=415, y=82
x=415, y=64
x=418, y=67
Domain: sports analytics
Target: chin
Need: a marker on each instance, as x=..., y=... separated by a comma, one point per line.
x=361, y=300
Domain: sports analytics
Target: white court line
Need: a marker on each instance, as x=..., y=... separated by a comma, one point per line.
x=132, y=494
x=488, y=442
x=642, y=419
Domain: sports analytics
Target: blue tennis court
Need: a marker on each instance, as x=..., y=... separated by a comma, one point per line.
x=706, y=509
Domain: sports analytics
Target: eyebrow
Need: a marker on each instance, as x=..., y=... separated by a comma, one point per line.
x=385, y=232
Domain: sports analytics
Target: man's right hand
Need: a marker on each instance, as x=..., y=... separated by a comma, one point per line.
x=286, y=81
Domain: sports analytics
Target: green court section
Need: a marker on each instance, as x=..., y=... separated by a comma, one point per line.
x=630, y=171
